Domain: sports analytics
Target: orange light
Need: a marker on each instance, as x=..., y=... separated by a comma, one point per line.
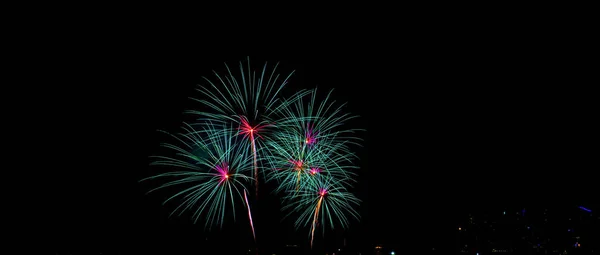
x=459, y=229
x=226, y=176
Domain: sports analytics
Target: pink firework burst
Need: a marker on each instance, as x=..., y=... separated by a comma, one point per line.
x=322, y=192
x=310, y=135
x=298, y=165
x=250, y=131
x=222, y=171
x=314, y=170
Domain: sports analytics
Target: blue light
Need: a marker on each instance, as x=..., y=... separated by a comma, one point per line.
x=504, y=212
x=585, y=209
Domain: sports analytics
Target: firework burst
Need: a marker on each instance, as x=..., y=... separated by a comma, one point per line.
x=311, y=141
x=300, y=142
x=210, y=171
x=315, y=119
x=322, y=202
x=244, y=99
x=295, y=164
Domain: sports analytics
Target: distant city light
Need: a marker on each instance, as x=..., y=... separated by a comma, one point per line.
x=571, y=220
x=585, y=209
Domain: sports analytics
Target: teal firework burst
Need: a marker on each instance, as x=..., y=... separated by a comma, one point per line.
x=311, y=140
x=316, y=119
x=210, y=170
x=244, y=99
x=241, y=95
x=295, y=163
x=322, y=202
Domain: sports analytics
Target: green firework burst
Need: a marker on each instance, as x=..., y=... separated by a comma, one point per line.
x=211, y=171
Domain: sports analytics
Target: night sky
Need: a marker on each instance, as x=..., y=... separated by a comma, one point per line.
x=451, y=128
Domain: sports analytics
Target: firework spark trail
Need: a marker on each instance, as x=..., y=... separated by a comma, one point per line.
x=250, y=215
x=249, y=131
x=298, y=181
x=316, y=216
x=255, y=164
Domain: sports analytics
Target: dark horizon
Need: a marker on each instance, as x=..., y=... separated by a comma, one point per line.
x=448, y=133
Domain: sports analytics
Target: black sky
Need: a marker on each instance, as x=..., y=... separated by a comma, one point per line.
x=454, y=124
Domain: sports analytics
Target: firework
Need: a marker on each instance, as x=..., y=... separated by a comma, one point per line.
x=315, y=118
x=312, y=161
x=295, y=164
x=322, y=202
x=246, y=100
x=209, y=169
x=310, y=140
x=300, y=142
